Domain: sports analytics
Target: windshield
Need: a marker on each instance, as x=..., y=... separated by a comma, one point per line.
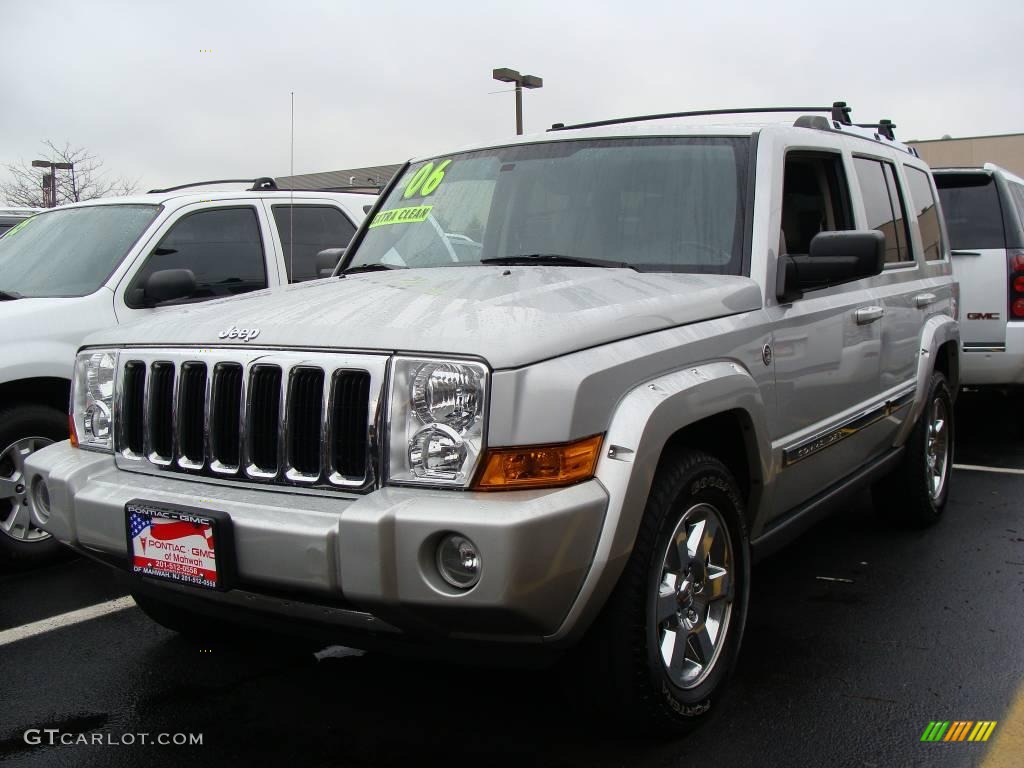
x=669, y=204
x=70, y=251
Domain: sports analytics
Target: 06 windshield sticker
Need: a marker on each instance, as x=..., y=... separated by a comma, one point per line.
x=401, y=216
x=427, y=179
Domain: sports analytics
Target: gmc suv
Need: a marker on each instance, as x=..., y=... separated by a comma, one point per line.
x=561, y=392
x=72, y=270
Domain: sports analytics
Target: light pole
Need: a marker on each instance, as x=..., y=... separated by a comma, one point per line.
x=506, y=75
x=52, y=178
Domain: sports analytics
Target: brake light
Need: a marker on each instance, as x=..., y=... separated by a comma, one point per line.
x=1015, y=266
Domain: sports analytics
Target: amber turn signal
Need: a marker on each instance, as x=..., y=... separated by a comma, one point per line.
x=71, y=429
x=539, y=466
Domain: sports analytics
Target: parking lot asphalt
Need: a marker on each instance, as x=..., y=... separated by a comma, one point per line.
x=859, y=635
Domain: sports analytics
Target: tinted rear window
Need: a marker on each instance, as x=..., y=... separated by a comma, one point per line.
x=970, y=203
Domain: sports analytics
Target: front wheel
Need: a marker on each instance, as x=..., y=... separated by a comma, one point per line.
x=915, y=493
x=670, y=633
x=24, y=430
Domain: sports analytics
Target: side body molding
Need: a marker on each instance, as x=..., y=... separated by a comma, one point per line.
x=642, y=424
x=937, y=330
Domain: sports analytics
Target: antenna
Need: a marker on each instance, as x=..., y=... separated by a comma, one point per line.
x=291, y=204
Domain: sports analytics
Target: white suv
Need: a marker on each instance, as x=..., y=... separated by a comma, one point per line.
x=73, y=270
x=984, y=212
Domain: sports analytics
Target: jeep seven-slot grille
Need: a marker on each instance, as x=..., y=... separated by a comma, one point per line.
x=267, y=421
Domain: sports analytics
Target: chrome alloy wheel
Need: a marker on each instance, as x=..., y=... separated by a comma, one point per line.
x=936, y=447
x=694, y=600
x=15, y=510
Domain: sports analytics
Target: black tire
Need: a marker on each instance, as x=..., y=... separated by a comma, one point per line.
x=909, y=495
x=16, y=424
x=625, y=640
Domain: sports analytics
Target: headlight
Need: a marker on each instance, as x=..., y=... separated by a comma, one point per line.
x=436, y=421
x=92, y=400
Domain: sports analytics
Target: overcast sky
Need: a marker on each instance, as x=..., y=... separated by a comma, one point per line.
x=377, y=82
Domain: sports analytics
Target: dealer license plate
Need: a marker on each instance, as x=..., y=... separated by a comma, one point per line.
x=175, y=544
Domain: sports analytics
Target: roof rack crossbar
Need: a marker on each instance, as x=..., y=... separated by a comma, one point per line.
x=260, y=184
x=885, y=128
x=839, y=112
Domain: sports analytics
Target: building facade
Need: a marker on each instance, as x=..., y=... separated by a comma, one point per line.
x=1006, y=150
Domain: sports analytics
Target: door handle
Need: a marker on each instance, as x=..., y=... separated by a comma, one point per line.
x=924, y=299
x=965, y=253
x=867, y=315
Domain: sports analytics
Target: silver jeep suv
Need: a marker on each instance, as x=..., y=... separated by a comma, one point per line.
x=560, y=391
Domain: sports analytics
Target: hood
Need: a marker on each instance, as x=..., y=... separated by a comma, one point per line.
x=510, y=316
x=64, y=319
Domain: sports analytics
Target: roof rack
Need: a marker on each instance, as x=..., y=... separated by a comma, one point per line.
x=839, y=112
x=260, y=184
x=885, y=128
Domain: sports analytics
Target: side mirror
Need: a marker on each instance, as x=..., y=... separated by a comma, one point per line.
x=835, y=258
x=167, y=285
x=327, y=260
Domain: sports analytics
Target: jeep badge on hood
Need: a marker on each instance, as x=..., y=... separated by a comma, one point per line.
x=234, y=332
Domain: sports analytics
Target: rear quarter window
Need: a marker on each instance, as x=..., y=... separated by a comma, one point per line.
x=970, y=203
x=923, y=206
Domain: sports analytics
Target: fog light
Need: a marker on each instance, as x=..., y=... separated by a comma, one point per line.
x=458, y=561
x=41, y=494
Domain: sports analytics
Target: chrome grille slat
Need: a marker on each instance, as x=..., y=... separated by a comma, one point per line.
x=133, y=414
x=304, y=423
x=348, y=405
x=160, y=413
x=191, y=421
x=251, y=416
x=263, y=422
x=225, y=420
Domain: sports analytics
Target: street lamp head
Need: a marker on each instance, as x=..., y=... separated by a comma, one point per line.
x=532, y=81
x=506, y=75
x=48, y=164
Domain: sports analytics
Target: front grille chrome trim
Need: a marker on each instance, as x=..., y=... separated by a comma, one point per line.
x=217, y=364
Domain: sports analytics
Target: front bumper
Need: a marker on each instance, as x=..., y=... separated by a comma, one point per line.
x=996, y=367
x=356, y=561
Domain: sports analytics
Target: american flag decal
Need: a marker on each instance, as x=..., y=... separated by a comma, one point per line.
x=172, y=548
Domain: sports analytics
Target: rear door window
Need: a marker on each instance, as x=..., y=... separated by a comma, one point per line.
x=884, y=207
x=970, y=203
x=305, y=230
x=923, y=205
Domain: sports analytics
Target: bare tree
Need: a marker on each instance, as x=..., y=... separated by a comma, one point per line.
x=85, y=181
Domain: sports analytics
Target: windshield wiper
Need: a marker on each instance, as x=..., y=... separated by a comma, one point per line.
x=368, y=268
x=9, y=295
x=556, y=259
